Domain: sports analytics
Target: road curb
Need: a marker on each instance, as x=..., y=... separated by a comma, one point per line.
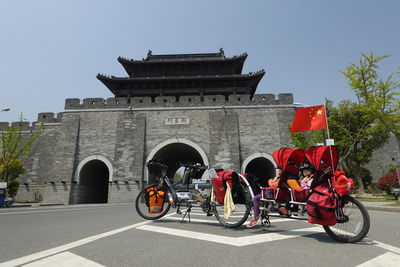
x=27, y=205
x=51, y=204
x=394, y=209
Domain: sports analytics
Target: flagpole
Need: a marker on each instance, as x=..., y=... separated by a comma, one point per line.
x=327, y=131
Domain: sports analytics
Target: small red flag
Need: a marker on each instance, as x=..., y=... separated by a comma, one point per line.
x=309, y=118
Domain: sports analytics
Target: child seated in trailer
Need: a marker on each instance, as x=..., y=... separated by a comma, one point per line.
x=306, y=176
x=273, y=182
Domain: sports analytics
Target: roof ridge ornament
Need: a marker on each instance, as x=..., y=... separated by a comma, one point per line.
x=221, y=52
x=149, y=54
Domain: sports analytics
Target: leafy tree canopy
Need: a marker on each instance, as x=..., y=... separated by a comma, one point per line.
x=359, y=128
x=14, y=149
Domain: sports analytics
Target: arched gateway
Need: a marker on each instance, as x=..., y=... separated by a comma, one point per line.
x=179, y=108
x=173, y=152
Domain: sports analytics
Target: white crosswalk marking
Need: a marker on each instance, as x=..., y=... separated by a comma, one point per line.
x=388, y=259
x=233, y=241
x=59, y=256
x=65, y=259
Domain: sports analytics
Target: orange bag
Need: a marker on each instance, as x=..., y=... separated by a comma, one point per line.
x=155, y=200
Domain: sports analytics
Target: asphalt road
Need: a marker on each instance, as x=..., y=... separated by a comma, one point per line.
x=114, y=235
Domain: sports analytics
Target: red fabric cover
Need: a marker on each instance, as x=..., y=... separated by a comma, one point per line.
x=300, y=195
x=321, y=206
x=318, y=155
x=281, y=194
x=219, y=185
x=286, y=157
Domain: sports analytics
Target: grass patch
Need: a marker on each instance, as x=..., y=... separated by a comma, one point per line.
x=396, y=204
x=375, y=199
x=383, y=197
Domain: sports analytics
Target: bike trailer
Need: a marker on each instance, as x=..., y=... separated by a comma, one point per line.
x=155, y=199
x=277, y=194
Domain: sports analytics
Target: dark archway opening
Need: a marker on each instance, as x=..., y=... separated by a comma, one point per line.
x=262, y=168
x=176, y=153
x=93, y=183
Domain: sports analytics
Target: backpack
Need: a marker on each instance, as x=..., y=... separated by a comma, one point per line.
x=155, y=200
x=321, y=206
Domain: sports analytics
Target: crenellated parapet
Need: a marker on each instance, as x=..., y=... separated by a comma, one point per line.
x=177, y=101
x=49, y=117
x=25, y=126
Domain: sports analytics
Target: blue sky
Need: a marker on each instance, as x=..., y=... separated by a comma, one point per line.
x=53, y=50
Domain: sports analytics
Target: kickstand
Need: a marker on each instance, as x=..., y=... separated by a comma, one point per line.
x=188, y=210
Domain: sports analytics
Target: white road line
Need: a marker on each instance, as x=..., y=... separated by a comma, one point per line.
x=65, y=247
x=382, y=245
x=65, y=259
x=233, y=241
x=385, y=260
x=241, y=241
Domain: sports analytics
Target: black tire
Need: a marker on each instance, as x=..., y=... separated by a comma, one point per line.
x=143, y=210
x=241, y=212
x=356, y=225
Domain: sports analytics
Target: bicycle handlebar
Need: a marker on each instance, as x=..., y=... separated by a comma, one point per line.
x=156, y=163
x=159, y=163
x=193, y=166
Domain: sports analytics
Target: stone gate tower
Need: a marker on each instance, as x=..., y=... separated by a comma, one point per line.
x=178, y=108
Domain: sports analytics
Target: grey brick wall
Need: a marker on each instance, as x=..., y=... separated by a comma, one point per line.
x=126, y=130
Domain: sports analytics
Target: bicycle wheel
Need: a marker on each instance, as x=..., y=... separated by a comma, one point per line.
x=142, y=204
x=242, y=200
x=355, y=225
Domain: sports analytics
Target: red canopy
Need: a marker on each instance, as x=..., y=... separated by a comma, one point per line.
x=318, y=155
x=289, y=159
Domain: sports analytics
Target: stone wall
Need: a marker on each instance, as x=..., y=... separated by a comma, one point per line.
x=383, y=158
x=123, y=132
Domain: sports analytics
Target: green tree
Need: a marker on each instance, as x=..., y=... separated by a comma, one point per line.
x=15, y=147
x=365, y=126
x=356, y=137
x=359, y=128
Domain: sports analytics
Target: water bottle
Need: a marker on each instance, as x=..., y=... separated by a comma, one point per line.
x=170, y=198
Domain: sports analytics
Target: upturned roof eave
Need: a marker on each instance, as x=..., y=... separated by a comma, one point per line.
x=259, y=74
x=123, y=60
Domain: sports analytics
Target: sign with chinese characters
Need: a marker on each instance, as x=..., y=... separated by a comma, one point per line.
x=330, y=142
x=177, y=120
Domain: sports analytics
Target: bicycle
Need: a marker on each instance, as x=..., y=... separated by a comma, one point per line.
x=188, y=194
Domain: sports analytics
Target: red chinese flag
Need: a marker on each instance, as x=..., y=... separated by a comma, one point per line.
x=310, y=118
